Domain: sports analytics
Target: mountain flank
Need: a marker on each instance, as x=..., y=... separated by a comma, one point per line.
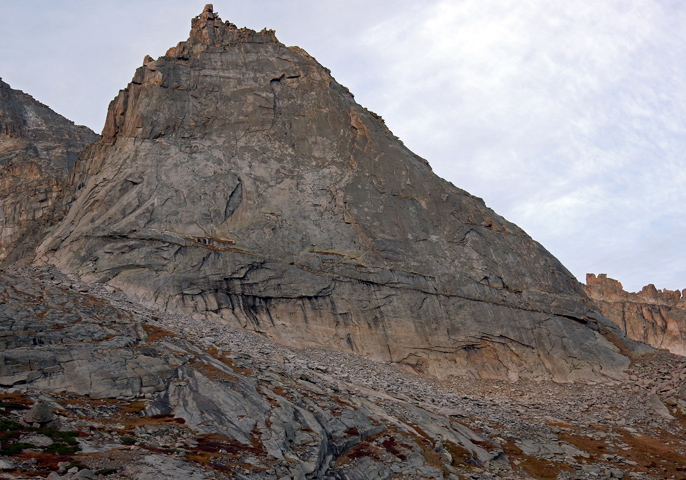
x=38, y=149
x=94, y=385
x=238, y=182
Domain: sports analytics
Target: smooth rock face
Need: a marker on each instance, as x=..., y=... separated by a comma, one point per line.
x=238, y=181
x=652, y=316
x=38, y=148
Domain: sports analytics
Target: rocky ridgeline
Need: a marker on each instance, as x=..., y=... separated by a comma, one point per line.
x=38, y=148
x=652, y=316
x=237, y=181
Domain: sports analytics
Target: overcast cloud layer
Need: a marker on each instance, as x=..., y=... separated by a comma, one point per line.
x=568, y=118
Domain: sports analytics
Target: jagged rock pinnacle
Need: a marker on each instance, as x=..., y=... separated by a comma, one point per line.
x=656, y=317
x=207, y=28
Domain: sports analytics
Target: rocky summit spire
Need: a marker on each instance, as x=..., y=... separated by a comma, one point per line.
x=238, y=181
x=207, y=28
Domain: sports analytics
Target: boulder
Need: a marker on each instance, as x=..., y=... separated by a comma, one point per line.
x=41, y=415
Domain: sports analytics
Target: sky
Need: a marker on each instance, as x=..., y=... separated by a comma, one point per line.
x=567, y=118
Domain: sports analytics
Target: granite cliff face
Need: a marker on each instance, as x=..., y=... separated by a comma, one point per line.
x=38, y=148
x=652, y=316
x=238, y=181
x=280, y=420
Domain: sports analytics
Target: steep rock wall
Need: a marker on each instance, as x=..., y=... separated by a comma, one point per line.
x=238, y=180
x=38, y=148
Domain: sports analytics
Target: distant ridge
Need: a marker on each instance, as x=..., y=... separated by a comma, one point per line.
x=652, y=316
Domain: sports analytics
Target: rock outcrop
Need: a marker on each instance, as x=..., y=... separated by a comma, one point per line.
x=38, y=148
x=237, y=180
x=652, y=316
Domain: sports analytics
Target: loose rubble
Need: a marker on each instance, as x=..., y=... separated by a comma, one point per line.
x=195, y=400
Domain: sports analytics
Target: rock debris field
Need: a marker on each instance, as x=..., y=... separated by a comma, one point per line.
x=124, y=392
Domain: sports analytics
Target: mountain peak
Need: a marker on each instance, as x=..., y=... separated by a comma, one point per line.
x=208, y=29
x=38, y=148
x=240, y=182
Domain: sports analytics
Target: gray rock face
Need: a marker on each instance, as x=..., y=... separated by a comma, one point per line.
x=207, y=400
x=237, y=180
x=158, y=467
x=38, y=148
x=61, y=341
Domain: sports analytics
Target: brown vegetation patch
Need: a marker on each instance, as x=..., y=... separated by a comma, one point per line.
x=162, y=419
x=132, y=408
x=662, y=456
x=461, y=456
x=282, y=392
x=168, y=418
x=341, y=402
x=536, y=467
x=106, y=337
x=587, y=444
x=272, y=401
x=361, y=450
x=212, y=372
x=227, y=360
x=46, y=462
x=223, y=446
x=156, y=333
x=488, y=446
x=14, y=401
x=393, y=447
x=425, y=442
